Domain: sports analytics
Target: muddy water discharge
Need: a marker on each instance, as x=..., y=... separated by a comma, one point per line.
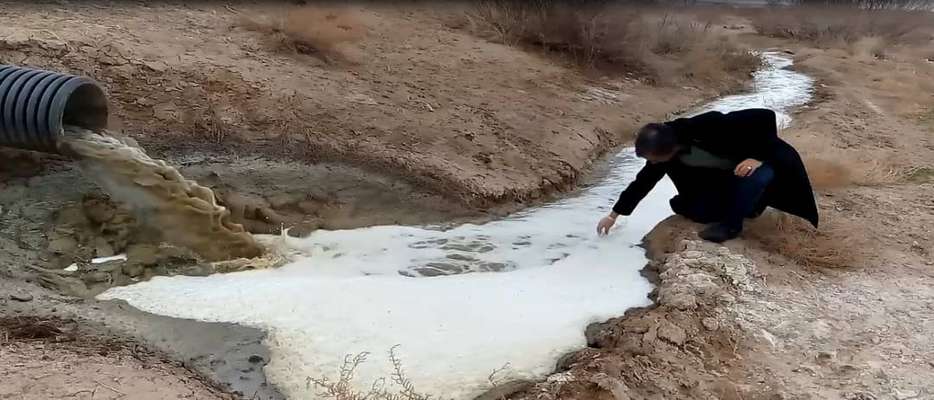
x=461, y=302
x=185, y=213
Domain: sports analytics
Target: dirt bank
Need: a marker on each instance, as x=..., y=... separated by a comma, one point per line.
x=209, y=360
x=72, y=363
x=187, y=79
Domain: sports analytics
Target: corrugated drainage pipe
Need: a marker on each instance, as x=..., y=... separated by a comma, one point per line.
x=35, y=105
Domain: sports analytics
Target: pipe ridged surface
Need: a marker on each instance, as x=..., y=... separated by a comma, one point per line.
x=36, y=104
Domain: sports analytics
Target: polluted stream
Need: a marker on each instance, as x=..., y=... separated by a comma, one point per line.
x=184, y=212
x=451, y=305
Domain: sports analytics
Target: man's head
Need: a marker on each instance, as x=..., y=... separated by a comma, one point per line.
x=656, y=143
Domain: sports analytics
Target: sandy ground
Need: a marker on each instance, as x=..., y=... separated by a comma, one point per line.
x=432, y=125
x=53, y=359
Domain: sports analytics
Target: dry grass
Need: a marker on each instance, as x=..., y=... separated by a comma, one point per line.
x=827, y=174
x=342, y=389
x=659, y=45
x=845, y=26
x=869, y=47
x=920, y=175
x=320, y=31
x=834, y=170
x=836, y=244
x=33, y=328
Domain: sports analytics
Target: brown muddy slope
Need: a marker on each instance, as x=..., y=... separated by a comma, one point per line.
x=475, y=121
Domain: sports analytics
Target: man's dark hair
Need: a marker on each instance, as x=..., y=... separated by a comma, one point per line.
x=655, y=139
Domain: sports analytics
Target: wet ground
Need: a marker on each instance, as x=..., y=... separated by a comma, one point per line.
x=54, y=220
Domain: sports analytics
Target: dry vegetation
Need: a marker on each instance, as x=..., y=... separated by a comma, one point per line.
x=834, y=170
x=401, y=388
x=846, y=25
x=320, y=31
x=659, y=45
x=826, y=174
x=920, y=175
x=834, y=245
x=33, y=328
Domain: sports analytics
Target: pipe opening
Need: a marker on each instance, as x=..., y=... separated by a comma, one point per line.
x=86, y=108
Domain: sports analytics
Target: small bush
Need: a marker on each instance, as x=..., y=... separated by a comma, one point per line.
x=869, y=47
x=585, y=35
x=314, y=30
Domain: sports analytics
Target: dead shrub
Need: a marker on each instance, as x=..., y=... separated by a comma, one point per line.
x=826, y=174
x=314, y=30
x=671, y=34
x=841, y=25
x=651, y=42
x=720, y=63
x=869, y=47
x=837, y=244
x=400, y=387
x=34, y=328
x=920, y=175
x=832, y=170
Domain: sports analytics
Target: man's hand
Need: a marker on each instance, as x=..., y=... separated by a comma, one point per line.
x=747, y=167
x=607, y=222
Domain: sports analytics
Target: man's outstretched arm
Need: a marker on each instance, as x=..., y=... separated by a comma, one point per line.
x=645, y=180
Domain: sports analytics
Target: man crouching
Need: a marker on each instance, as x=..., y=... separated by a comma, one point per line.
x=726, y=167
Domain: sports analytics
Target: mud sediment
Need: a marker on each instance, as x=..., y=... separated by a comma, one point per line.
x=230, y=356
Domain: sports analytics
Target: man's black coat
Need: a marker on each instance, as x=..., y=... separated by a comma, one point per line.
x=736, y=136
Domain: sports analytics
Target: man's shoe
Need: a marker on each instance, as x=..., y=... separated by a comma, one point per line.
x=718, y=233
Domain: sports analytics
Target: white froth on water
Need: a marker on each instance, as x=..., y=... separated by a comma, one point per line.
x=459, y=302
x=776, y=87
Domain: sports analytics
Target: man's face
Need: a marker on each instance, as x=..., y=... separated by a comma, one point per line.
x=659, y=158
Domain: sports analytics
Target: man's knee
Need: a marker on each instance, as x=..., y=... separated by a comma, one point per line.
x=693, y=210
x=762, y=176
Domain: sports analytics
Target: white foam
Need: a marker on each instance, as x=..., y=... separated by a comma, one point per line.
x=101, y=260
x=519, y=291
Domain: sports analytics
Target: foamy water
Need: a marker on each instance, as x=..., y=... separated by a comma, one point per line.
x=459, y=303
x=187, y=214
